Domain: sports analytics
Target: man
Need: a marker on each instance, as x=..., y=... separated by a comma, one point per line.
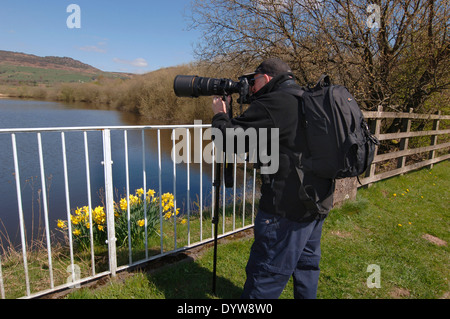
x=287, y=234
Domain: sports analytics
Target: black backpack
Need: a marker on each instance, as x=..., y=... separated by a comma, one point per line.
x=339, y=141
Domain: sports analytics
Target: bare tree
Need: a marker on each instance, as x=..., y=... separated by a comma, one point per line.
x=393, y=53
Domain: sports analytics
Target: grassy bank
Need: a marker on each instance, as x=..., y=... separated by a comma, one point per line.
x=13, y=274
x=401, y=225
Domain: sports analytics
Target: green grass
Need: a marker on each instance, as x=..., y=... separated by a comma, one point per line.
x=378, y=228
x=32, y=75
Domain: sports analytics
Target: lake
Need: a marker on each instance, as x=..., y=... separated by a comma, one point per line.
x=41, y=114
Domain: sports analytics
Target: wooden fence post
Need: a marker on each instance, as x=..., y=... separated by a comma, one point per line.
x=434, y=138
x=406, y=126
x=371, y=172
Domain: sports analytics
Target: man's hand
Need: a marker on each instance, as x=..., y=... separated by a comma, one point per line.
x=219, y=105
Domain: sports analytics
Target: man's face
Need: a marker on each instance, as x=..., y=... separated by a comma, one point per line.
x=258, y=81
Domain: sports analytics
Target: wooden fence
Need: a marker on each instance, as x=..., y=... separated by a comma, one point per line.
x=436, y=151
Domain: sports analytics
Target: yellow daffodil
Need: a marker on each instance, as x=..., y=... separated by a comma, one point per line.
x=123, y=204
x=61, y=224
x=167, y=197
x=134, y=200
x=99, y=215
x=168, y=215
x=85, y=219
x=151, y=193
x=75, y=219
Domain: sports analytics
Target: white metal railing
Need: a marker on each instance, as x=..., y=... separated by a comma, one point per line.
x=113, y=266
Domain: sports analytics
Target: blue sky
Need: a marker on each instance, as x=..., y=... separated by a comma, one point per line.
x=125, y=36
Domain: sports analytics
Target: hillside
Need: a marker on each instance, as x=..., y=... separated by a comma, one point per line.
x=48, y=62
x=18, y=68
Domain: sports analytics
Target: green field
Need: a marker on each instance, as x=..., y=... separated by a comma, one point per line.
x=401, y=225
x=30, y=75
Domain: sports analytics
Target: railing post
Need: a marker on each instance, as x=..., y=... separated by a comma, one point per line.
x=2, y=288
x=109, y=198
x=434, y=138
x=21, y=219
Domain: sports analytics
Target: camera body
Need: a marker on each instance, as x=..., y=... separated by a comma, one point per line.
x=196, y=86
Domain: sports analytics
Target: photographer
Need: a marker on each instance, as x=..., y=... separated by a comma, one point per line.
x=287, y=235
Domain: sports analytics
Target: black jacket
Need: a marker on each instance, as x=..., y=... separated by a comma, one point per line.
x=271, y=107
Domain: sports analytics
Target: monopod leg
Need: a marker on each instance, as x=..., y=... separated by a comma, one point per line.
x=215, y=221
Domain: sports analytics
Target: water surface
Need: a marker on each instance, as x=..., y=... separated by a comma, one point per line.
x=39, y=114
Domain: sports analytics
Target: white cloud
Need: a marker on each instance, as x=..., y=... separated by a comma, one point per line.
x=92, y=48
x=139, y=62
x=99, y=48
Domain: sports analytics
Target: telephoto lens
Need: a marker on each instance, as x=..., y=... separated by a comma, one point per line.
x=195, y=86
x=183, y=85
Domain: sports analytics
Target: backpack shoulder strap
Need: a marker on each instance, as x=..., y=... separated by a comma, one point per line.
x=324, y=81
x=310, y=203
x=296, y=91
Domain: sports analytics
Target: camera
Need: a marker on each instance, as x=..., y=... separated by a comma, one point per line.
x=195, y=86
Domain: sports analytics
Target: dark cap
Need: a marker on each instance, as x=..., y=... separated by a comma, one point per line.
x=272, y=67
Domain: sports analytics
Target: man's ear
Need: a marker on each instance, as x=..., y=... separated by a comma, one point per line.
x=267, y=78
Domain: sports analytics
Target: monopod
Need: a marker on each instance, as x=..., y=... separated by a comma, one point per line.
x=228, y=182
x=215, y=222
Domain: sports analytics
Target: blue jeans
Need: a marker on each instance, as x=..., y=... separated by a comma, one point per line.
x=282, y=249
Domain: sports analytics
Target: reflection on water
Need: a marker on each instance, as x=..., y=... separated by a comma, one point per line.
x=36, y=114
